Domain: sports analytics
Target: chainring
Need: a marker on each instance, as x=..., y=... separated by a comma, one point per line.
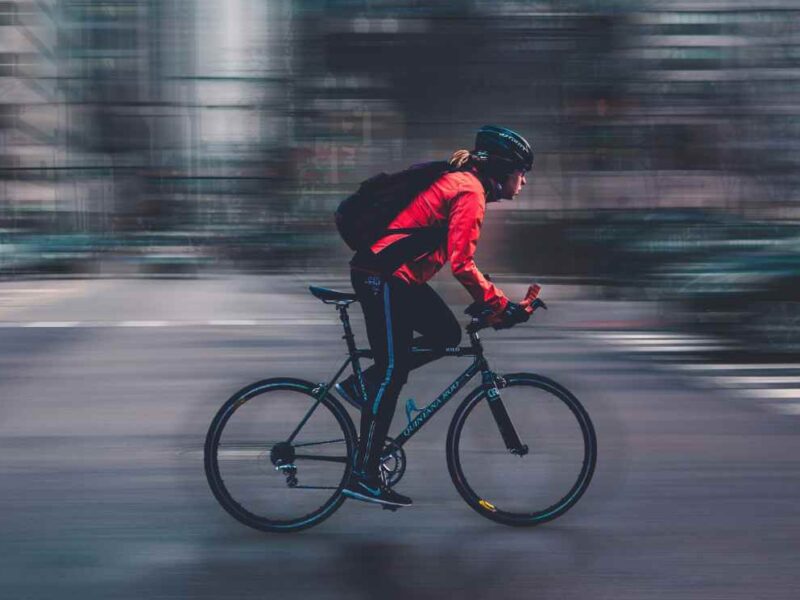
x=393, y=463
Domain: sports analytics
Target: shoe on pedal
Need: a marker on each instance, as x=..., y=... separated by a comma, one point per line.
x=370, y=490
x=350, y=392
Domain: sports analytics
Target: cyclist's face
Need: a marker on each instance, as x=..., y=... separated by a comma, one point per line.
x=513, y=184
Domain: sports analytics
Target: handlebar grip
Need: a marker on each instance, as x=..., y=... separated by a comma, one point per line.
x=531, y=300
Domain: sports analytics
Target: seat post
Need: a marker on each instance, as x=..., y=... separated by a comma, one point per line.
x=351, y=347
x=348, y=331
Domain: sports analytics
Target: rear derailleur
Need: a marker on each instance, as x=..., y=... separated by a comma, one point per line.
x=282, y=456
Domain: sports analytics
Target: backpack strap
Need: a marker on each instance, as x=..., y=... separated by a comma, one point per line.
x=411, y=247
x=404, y=230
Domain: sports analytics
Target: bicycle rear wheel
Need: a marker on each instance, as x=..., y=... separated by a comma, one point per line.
x=548, y=479
x=264, y=477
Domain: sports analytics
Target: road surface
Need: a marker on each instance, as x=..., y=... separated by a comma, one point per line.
x=108, y=387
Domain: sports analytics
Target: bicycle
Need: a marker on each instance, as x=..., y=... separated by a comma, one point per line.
x=279, y=451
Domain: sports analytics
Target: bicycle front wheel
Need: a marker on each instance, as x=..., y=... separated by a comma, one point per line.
x=277, y=456
x=550, y=473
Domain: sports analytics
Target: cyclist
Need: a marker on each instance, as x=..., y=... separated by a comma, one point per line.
x=390, y=282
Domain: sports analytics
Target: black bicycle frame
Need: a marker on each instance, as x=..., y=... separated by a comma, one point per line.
x=424, y=414
x=479, y=365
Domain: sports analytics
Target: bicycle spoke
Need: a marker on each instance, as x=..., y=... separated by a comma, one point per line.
x=490, y=452
x=543, y=483
x=305, y=419
x=336, y=459
x=319, y=395
x=253, y=466
x=339, y=440
x=268, y=445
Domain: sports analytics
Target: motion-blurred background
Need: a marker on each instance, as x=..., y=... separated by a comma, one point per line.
x=193, y=137
x=168, y=174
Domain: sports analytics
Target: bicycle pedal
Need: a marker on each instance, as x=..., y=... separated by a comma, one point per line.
x=391, y=508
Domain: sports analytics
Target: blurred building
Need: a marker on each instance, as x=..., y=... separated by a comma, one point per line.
x=142, y=136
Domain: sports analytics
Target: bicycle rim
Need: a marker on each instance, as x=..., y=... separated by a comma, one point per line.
x=266, y=481
x=544, y=483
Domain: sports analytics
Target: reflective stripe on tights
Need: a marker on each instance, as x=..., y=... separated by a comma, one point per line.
x=387, y=307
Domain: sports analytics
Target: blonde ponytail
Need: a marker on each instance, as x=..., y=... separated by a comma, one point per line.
x=459, y=159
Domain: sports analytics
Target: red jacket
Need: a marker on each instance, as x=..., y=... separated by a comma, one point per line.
x=458, y=201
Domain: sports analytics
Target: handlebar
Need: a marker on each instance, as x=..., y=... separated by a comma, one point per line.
x=530, y=303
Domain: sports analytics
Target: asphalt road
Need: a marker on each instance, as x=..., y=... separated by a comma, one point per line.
x=108, y=388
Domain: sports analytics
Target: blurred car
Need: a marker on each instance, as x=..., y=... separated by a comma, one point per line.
x=752, y=296
x=719, y=274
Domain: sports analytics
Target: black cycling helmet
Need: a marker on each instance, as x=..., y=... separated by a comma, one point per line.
x=504, y=150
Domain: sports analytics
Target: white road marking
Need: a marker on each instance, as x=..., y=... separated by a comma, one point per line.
x=790, y=408
x=34, y=291
x=658, y=342
x=211, y=323
x=681, y=348
x=668, y=341
x=772, y=394
x=741, y=380
x=19, y=297
x=739, y=367
x=653, y=338
x=752, y=386
x=755, y=381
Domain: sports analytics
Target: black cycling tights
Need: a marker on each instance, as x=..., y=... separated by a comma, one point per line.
x=393, y=310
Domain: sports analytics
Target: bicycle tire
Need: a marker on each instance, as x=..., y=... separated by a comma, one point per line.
x=496, y=511
x=277, y=389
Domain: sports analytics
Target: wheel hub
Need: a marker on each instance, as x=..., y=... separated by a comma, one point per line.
x=282, y=454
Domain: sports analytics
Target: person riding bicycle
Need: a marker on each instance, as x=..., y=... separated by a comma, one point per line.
x=390, y=279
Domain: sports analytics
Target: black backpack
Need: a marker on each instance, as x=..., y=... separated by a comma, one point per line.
x=363, y=218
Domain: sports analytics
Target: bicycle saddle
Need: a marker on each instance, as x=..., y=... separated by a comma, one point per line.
x=329, y=296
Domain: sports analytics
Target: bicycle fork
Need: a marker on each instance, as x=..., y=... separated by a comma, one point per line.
x=500, y=414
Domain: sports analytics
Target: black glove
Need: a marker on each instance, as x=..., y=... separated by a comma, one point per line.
x=511, y=315
x=478, y=309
